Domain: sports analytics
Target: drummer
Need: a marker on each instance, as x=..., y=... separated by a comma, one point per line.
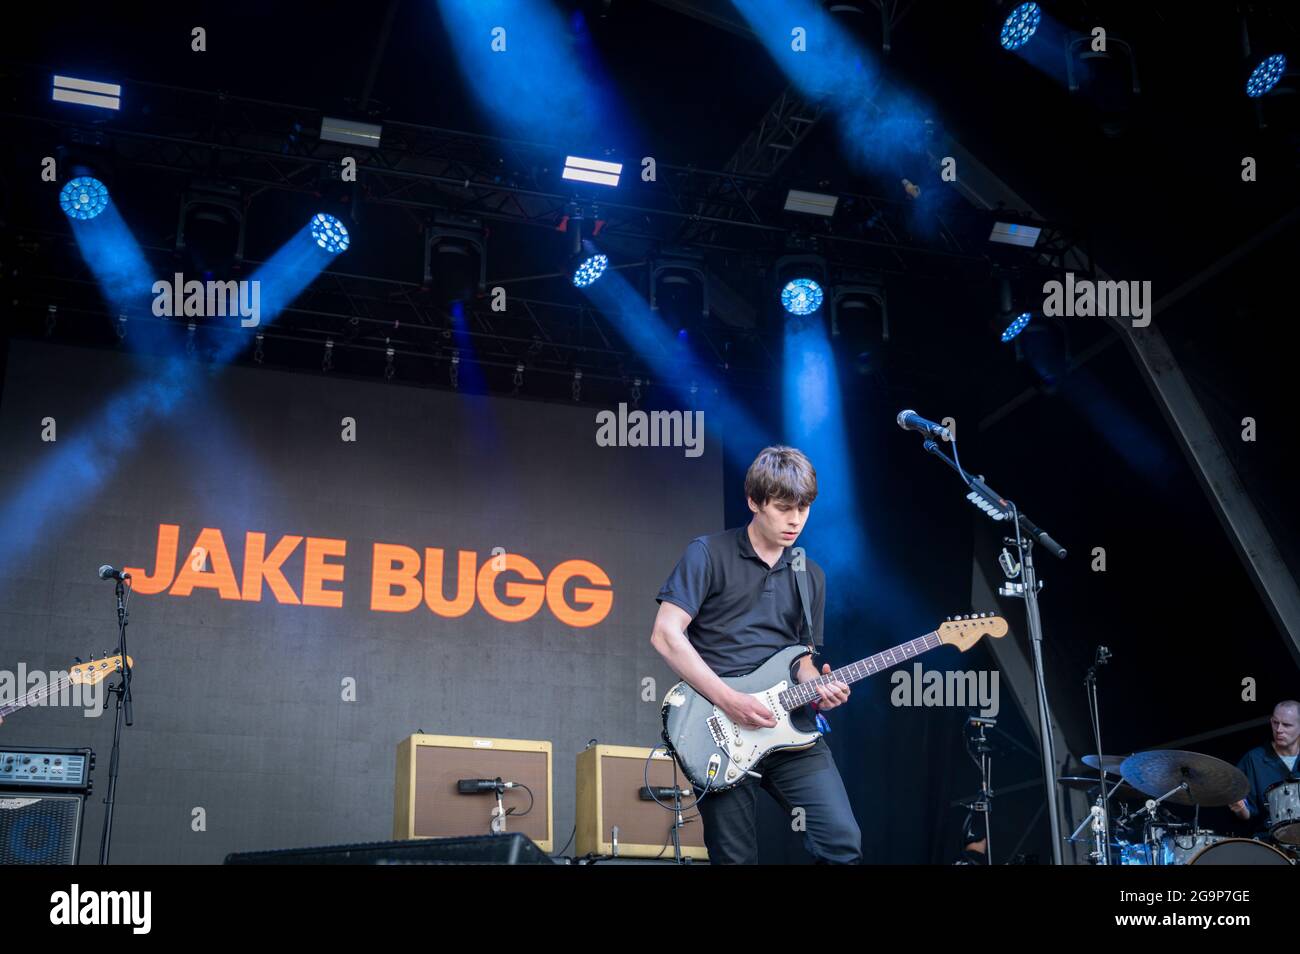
x=1265, y=765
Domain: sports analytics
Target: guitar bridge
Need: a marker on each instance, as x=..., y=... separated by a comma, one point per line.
x=715, y=729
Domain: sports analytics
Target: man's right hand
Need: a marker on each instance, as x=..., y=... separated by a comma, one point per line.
x=1239, y=809
x=746, y=711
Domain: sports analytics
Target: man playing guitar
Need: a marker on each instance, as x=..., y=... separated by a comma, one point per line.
x=730, y=603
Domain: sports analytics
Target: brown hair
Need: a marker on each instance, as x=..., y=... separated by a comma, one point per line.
x=781, y=473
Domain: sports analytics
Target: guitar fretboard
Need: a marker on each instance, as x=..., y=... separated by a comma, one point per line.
x=36, y=695
x=806, y=692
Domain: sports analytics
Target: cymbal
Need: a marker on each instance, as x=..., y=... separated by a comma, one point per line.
x=1112, y=762
x=1211, y=782
x=1118, y=789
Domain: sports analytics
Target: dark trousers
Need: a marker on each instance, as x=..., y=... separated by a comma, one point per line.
x=800, y=778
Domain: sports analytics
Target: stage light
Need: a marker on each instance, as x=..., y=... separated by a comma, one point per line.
x=69, y=89
x=455, y=258
x=329, y=233
x=679, y=286
x=350, y=132
x=590, y=269
x=1012, y=233
x=1265, y=76
x=1020, y=25
x=1016, y=327
x=592, y=170
x=83, y=198
x=812, y=203
x=210, y=227
x=802, y=296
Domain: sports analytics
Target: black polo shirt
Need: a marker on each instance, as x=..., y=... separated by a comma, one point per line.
x=1263, y=767
x=742, y=611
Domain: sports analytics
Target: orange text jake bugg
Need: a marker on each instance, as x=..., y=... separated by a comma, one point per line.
x=401, y=578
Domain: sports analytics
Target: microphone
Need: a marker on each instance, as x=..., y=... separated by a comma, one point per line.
x=472, y=786
x=911, y=421
x=106, y=572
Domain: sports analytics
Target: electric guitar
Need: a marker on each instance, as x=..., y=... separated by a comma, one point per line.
x=88, y=674
x=716, y=754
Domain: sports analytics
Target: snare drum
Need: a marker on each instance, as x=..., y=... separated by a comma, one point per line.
x=1283, y=800
x=1240, y=851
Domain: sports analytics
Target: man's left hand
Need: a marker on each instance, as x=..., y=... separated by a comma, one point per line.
x=832, y=695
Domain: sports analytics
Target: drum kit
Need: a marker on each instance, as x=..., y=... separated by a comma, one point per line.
x=1153, y=835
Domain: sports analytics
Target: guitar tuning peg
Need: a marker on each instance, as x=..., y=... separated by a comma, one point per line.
x=76, y=659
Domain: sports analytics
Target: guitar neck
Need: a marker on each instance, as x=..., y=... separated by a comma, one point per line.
x=806, y=692
x=36, y=695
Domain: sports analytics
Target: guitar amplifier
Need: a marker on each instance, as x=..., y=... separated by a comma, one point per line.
x=509, y=849
x=428, y=804
x=42, y=802
x=40, y=828
x=610, y=779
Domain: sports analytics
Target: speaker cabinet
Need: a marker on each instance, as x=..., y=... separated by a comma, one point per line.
x=39, y=829
x=610, y=779
x=426, y=803
x=479, y=850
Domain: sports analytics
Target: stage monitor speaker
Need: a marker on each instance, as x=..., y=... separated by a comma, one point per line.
x=610, y=779
x=427, y=804
x=40, y=829
x=507, y=849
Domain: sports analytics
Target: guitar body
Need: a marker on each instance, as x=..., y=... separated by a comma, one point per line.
x=707, y=743
x=696, y=730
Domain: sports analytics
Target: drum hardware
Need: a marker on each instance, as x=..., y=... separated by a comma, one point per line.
x=1111, y=762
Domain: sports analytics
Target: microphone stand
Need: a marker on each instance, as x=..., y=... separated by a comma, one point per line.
x=677, y=826
x=999, y=508
x=984, y=804
x=1094, y=710
x=123, y=692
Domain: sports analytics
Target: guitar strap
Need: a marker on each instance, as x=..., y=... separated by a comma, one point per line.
x=799, y=565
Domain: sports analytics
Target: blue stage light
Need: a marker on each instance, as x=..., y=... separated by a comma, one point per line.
x=1265, y=76
x=1020, y=25
x=83, y=198
x=329, y=233
x=1016, y=327
x=590, y=270
x=802, y=296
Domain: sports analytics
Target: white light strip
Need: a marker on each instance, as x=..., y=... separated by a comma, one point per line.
x=600, y=165
x=592, y=170
x=813, y=203
x=69, y=89
x=349, y=132
x=582, y=175
x=88, y=86
x=1009, y=233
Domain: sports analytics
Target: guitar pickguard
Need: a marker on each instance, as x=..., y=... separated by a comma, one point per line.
x=746, y=747
x=704, y=740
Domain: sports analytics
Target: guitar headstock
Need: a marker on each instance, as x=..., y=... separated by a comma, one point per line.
x=97, y=670
x=965, y=631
